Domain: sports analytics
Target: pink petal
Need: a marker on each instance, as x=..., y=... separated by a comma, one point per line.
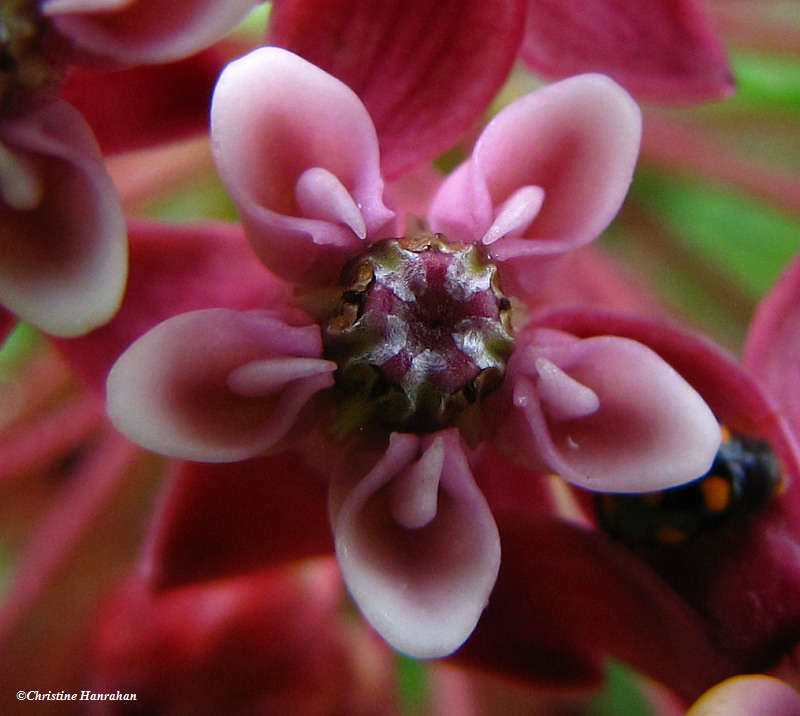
x=143, y=31
x=138, y=107
x=772, y=353
x=577, y=142
x=171, y=390
x=426, y=71
x=735, y=397
x=660, y=50
x=64, y=251
x=416, y=543
x=274, y=117
x=752, y=695
x=607, y=414
x=218, y=520
x=175, y=269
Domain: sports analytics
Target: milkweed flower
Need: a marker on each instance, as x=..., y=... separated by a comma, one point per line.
x=389, y=379
x=725, y=568
x=63, y=262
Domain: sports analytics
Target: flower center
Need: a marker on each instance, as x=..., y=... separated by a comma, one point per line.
x=422, y=332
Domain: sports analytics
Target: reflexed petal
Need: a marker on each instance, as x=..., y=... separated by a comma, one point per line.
x=772, y=353
x=416, y=543
x=268, y=643
x=577, y=142
x=751, y=695
x=175, y=269
x=170, y=390
x=141, y=106
x=425, y=70
x=274, y=117
x=218, y=520
x=143, y=31
x=607, y=414
x=567, y=597
x=662, y=50
x=63, y=249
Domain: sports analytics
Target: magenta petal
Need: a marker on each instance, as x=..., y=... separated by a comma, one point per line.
x=219, y=520
x=416, y=543
x=274, y=117
x=576, y=140
x=567, y=597
x=138, y=107
x=63, y=260
x=772, y=353
x=425, y=70
x=175, y=269
x=270, y=643
x=661, y=50
x=137, y=32
x=173, y=392
x=606, y=413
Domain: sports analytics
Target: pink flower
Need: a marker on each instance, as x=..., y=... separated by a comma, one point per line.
x=385, y=389
x=730, y=578
x=63, y=263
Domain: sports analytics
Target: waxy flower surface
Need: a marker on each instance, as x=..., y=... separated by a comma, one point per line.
x=388, y=380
